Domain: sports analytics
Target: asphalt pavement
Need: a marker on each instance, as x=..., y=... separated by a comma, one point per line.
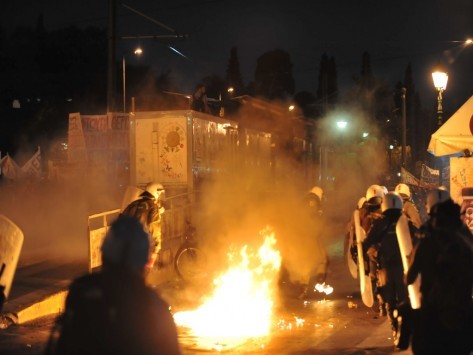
x=39, y=291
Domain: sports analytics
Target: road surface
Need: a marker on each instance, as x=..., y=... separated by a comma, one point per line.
x=336, y=324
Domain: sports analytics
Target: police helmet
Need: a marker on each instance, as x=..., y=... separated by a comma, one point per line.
x=156, y=189
x=317, y=191
x=391, y=201
x=374, y=194
x=403, y=190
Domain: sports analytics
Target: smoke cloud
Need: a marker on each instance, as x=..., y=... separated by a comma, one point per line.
x=235, y=207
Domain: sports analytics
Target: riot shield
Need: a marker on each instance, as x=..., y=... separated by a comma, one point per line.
x=349, y=243
x=132, y=193
x=405, y=245
x=11, y=241
x=366, y=288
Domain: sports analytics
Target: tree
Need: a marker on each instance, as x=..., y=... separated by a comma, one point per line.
x=327, y=90
x=417, y=134
x=373, y=95
x=51, y=74
x=375, y=98
x=306, y=102
x=233, y=78
x=273, y=75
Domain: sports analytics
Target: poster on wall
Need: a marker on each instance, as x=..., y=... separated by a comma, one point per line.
x=95, y=128
x=76, y=152
x=172, y=151
x=461, y=176
x=118, y=137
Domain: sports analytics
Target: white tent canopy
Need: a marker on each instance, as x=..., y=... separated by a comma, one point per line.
x=456, y=134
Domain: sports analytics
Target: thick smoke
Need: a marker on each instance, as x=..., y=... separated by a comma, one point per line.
x=236, y=206
x=53, y=213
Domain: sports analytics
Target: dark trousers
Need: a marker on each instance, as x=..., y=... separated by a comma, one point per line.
x=431, y=336
x=394, y=292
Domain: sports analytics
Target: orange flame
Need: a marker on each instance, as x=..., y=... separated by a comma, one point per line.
x=241, y=305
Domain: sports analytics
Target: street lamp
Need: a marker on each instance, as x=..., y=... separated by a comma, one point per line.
x=138, y=51
x=404, y=129
x=342, y=124
x=440, y=82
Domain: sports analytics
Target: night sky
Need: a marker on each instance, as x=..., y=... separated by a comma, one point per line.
x=394, y=33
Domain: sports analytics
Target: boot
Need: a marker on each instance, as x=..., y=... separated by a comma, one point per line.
x=382, y=306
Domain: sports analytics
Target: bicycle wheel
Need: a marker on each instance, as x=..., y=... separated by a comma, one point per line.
x=190, y=262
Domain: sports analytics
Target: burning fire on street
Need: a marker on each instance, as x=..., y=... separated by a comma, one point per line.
x=242, y=302
x=241, y=308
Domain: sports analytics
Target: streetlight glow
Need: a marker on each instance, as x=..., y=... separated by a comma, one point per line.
x=291, y=107
x=365, y=134
x=342, y=124
x=440, y=80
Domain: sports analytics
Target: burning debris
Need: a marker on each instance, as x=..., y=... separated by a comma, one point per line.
x=323, y=288
x=286, y=325
x=241, y=306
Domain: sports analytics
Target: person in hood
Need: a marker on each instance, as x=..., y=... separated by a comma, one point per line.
x=444, y=261
x=199, y=100
x=113, y=311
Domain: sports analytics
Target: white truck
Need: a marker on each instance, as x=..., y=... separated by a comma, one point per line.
x=179, y=149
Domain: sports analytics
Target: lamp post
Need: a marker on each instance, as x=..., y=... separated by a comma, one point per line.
x=138, y=51
x=403, y=150
x=440, y=79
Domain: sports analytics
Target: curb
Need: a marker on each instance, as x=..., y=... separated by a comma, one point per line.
x=53, y=304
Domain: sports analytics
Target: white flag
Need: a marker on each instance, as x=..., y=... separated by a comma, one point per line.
x=32, y=168
x=10, y=168
x=1, y=164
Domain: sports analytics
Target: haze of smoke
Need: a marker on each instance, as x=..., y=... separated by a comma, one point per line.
x=236, y=207
x=233, y=210
x=53, y=214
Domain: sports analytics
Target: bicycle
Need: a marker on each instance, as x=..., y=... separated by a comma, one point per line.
x=190, y=262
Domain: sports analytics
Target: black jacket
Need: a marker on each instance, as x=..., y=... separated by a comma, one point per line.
x=114, y=312
x=383, y=236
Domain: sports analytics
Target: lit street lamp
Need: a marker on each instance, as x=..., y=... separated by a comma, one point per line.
x=137, y=51
x=440, y=82
x=342, y=124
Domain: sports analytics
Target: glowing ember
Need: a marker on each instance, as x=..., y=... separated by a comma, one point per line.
x=242, y=303
x=285, y=325
x=323, y=288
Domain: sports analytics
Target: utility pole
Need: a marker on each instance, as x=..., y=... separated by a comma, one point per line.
x=403, y=151
x=111, y=56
